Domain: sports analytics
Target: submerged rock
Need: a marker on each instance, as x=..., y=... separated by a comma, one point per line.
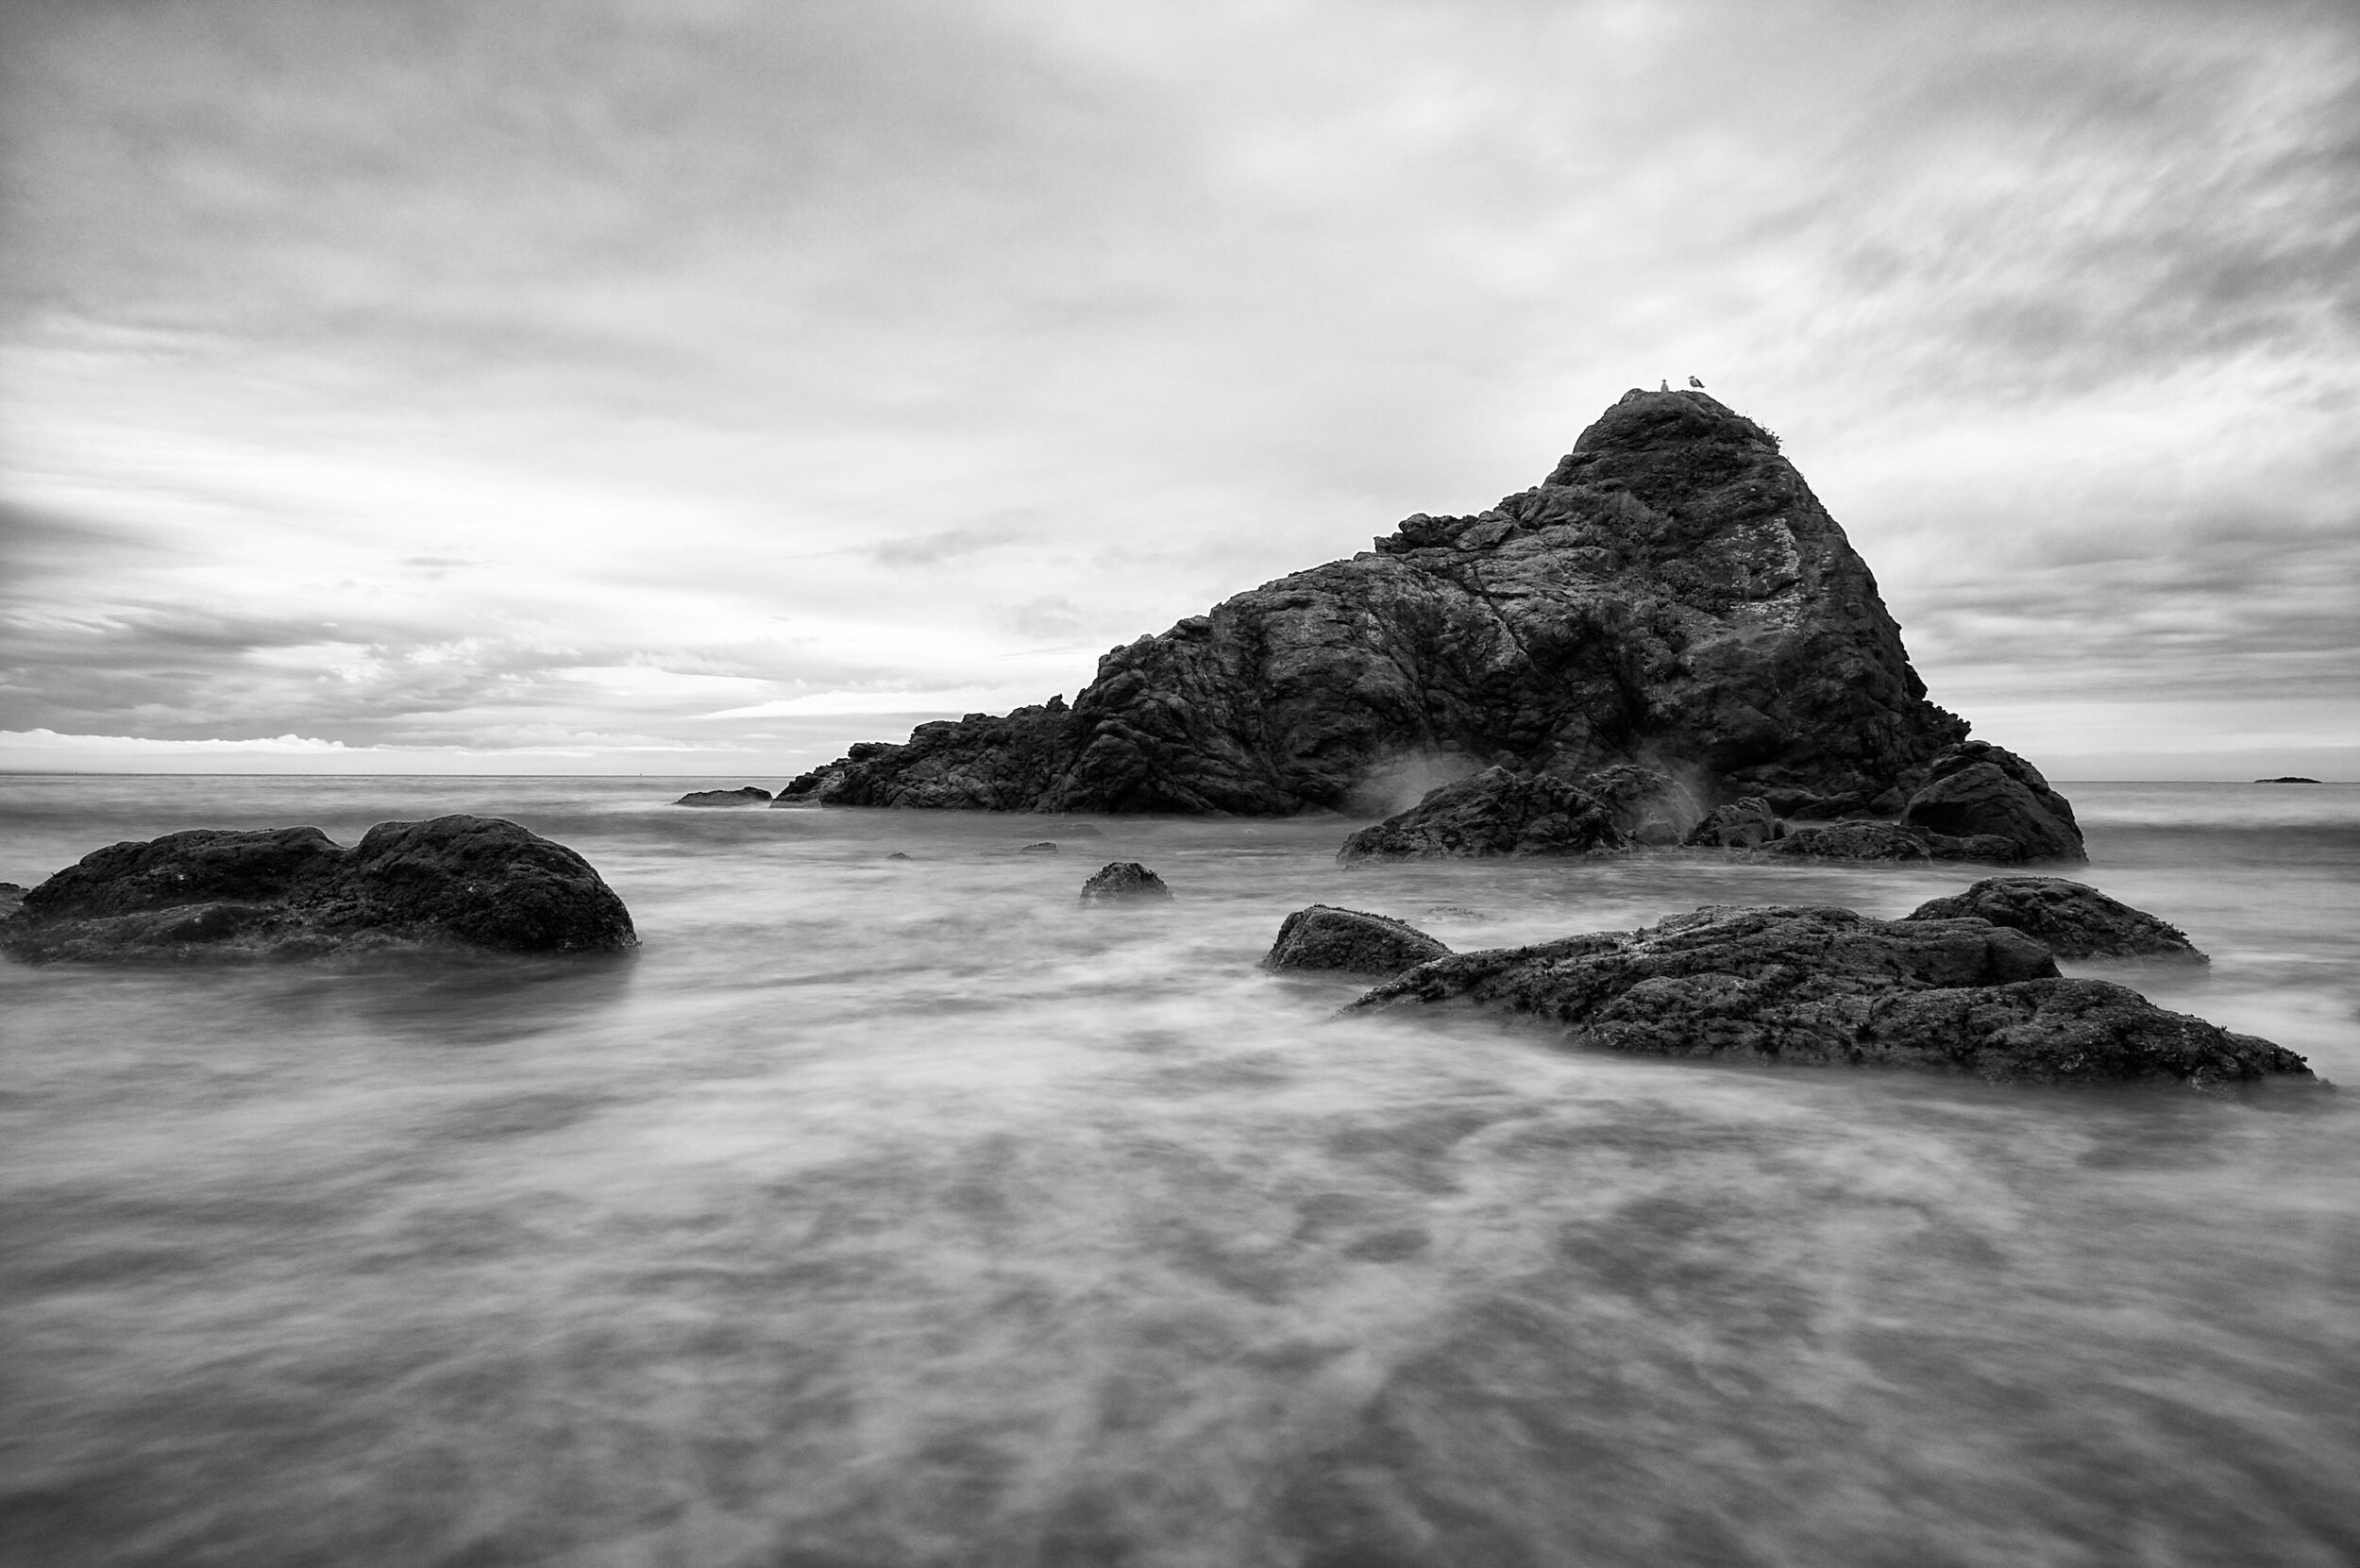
x=1350, y=940
x=1850, y=842
x=1825, y=987
x=748, y=796
x=1978, y=790
x=473, y=882
x=1044, y=847
x=1501, y=812
x=2070, y=920
x=1672, y=594
x=1122, y=881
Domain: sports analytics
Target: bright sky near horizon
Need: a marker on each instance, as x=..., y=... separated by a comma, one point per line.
x=695, y=386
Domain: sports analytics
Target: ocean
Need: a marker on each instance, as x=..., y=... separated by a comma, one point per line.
x=884, y=1212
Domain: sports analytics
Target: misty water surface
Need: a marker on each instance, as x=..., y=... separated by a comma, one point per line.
x=905, y=1212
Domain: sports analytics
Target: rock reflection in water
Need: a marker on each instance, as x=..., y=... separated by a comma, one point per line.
x=913, y=1213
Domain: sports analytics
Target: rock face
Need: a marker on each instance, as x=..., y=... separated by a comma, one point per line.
x=1672, y=596
x=1349, y=941
x=1124, y=881
x=474, y=882
x=1501, y=812
x=748, y=796
x=2069, y=920
x=1975, y=789
x=1829, y=986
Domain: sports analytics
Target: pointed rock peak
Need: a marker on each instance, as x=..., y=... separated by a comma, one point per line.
x=1643, y=421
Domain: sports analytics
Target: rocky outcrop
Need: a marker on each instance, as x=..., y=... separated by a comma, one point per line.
x=453, y=882
x=748, y=796
x=1349, y=941
x=1826, y=987
x=1124, y=881
x=1501, y=812
x=2287, y=778
x=2069, y=918
x=1672, y=596
x=1744, y=824
x=1975, y=789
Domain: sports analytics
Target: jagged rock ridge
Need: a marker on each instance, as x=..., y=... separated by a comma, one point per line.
x=1673, y=595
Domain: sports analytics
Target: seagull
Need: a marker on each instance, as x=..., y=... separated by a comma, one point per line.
x=1697, y=384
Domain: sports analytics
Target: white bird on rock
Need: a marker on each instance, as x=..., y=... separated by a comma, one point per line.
x=1697, y=384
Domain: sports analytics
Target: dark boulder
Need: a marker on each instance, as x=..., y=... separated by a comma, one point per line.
x=2070, y=920
x=1975, y=789
x=1501, y=812
x=1744, y=824
x=748, y=796
x=471, y=882
x=1825, y=987
x=1672, y=594
x=2287, y=778
x=1349, y=940
x=1124, y=881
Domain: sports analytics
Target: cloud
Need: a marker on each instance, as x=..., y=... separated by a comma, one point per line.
x=403, y=375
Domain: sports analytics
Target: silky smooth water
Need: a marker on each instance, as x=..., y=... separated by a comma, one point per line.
x=905, y=1212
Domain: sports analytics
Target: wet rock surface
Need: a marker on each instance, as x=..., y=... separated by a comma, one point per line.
x=1826, y=986
x=2071, y=919
x=452, y=882
x=1351, y=941
x=1124, y=881
x=747, y=796
x=1501, y=812
x=1671, y=596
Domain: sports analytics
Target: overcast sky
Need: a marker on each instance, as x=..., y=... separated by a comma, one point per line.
x=698, y=385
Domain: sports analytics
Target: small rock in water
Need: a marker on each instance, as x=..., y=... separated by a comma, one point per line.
x=748, y=796
x=1120, y=881
x=475, y=881
x=2070, y=920
x=1044, y=847
x=1502, y=812
x=897, y=856
x=1740, y=825
x=1826, y=986
x=1350, y=940
x=2287, y=778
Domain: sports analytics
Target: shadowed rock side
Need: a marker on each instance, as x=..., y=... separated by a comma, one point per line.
x=1672, y=596
x=473, y=882
x=1349, y=941
x=1828, y=987
x=2069, y=918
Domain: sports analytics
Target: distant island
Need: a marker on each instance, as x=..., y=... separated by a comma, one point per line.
x=2290, y=778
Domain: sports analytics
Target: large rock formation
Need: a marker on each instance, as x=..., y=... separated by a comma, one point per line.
x=1672, y=596
x=465, y=881
x=1826, y=986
